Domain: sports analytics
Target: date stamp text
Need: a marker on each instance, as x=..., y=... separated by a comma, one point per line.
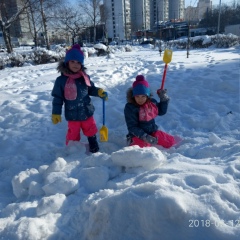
x=196, y=223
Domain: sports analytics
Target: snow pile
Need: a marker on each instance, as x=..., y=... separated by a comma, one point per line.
x=190, y=191
x=56, y=179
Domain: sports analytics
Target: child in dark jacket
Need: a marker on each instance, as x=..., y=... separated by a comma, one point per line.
x=73, y=88
x=140, y=111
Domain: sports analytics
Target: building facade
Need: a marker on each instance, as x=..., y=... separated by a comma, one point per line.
x=203, y=6
x=118, y=18
x=194, y=14
x=19, y=28
x=125, y=17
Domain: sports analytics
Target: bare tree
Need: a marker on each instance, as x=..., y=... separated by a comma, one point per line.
x=92, y=9
x=105, y=15
x=6, y=20
x=40, y=14
x=69, y=21
x=44, y=21
x=33, y=19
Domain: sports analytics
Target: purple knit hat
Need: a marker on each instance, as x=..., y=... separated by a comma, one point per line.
x=141, y=86
x=74, y=53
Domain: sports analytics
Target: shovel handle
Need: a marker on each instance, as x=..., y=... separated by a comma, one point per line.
x=103, y=112
x=164, y=76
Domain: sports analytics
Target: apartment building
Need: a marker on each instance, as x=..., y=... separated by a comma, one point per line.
x=140, y=14
x=176, y=9
x=194, y=14
x=20, y=28
x=125, y=17
x=203, y=6
x=118, y=18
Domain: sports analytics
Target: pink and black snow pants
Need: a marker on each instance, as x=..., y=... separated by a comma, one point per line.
x=164, y=139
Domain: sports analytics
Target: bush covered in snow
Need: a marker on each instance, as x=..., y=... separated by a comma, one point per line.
x=42, y=55
x=205, y=41
x=36, y=56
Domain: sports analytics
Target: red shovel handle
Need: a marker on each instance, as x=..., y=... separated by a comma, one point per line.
x=164, y=76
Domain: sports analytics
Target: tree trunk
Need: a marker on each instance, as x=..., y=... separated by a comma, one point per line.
x=45, y=27
x=7, y=39
x=94, y=33
x=31, y=18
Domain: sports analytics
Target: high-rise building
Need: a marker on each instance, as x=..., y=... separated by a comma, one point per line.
x=118, y=18
x=140, y=15
x=176, y=9
x=124, y=17
x=159, y=11
x=20, y=27
x=194, y=14
x=203, y=6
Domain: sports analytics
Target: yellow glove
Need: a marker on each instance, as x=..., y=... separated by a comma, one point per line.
x=56, y=118
x=102, y=94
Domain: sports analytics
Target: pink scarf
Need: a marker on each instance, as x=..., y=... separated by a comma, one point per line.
x=70, y=89
x=148, y=111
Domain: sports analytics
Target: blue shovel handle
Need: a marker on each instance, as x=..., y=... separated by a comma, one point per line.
x=103, y=112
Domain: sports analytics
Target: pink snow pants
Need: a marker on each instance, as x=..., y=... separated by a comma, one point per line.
x=164, y=139
x=88, y=127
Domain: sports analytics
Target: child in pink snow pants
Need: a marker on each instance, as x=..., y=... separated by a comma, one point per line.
x=140, y=112
x=73, y=88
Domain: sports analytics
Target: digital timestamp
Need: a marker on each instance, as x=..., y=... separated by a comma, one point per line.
x=195, y=223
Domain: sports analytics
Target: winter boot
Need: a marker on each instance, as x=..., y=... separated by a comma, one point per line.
x=129, y=139
x=93, y=144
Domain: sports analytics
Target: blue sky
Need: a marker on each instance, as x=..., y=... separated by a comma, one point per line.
x=194, y=2
x=215, y=2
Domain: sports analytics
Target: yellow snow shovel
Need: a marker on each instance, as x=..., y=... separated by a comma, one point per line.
x=104, y=130
x=167, y=58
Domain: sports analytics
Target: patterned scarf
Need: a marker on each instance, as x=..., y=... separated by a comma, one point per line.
x=148, y=111
x=70, y=89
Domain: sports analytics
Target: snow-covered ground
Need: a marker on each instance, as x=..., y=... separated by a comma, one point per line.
x=191, y=191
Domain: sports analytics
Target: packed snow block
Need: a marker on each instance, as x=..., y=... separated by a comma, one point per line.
x=51, y=204
x=136, y=157
x=57, y=165
x=54, y=176
x=61, y=185
x=94, y=178
x=22, y=181
x=55, y=170
x=97, y=160
x=42, y=168
x=35, y=189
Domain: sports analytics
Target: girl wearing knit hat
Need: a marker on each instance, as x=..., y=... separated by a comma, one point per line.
x=73, y=88
x=140, y=111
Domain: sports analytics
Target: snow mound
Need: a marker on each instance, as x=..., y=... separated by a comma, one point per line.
x=134, y=156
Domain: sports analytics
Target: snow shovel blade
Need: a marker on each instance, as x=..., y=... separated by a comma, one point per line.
x=103, y=134
x=104, y=130
x=167, y=56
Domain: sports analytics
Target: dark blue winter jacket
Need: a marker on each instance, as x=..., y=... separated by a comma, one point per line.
x=75, y=110
x=136, y=127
